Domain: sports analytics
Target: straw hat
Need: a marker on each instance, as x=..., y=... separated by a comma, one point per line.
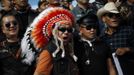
x=109, y=7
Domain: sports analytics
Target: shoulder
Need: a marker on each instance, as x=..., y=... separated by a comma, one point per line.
x=51, y=47
x=44, y=54
x=127, y=29
x=100, y=42
x=32, y=11
x=76, y=9
x=44, y=64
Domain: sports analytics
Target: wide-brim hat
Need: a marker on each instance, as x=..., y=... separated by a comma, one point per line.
x=109, y=7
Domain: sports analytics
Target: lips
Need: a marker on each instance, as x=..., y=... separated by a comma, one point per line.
x=65, y=38
x=12, y=29
x=115, y=22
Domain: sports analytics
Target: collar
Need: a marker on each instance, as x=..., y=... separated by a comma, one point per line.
x=88, y=41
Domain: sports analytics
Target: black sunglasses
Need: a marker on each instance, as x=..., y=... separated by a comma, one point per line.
x=110, y=15
x=69, y=30
x=90, y=27
x=8, y=24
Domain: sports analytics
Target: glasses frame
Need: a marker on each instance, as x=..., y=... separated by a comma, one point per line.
x=69, y=30
x=8, y=24
x=89, y=27
x=111, y=15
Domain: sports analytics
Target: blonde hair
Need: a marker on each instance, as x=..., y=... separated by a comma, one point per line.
x=60, y=46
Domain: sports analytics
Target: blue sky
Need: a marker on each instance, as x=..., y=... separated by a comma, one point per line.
x=35, y=2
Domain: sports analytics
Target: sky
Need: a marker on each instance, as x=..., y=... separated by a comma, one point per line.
x=35, y=2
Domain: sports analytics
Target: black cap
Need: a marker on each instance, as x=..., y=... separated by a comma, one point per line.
x=88, y=19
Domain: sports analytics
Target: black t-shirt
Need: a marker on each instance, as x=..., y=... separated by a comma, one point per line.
x=92, y=60
x=9, y=63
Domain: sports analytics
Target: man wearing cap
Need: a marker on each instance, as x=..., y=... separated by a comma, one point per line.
x=93, y=55
x=119, y=37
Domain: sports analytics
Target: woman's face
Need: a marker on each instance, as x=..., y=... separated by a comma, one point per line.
x=10, y=26
x=65, y=33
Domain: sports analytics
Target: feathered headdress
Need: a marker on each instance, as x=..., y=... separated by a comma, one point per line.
x=39, y=32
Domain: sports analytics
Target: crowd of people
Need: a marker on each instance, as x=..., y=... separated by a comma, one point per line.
x=60, y=39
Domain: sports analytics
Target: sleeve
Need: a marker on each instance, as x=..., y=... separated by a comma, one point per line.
x=44, y=64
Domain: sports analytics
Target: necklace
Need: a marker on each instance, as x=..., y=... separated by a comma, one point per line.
x=12, y=48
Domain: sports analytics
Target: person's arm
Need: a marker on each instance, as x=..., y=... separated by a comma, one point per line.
x=44, y=64
x=122, y=50
x=111, y=67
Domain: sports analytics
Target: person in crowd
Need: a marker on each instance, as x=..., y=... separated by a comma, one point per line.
x=42, y=5
x=127, y=12
x=119, y=37
x=66, y=4
x=24, y=13
x=10, y=60
x=94, y=56
x=7, y=7
x=83, y=7
x=51, y=36
x=98, y=4
x=54, y=3
x=117, y=2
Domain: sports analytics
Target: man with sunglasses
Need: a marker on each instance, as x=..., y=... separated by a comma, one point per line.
x=119, y=37
x=93, y=55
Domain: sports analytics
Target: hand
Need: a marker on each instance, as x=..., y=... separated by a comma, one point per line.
x=122, y=51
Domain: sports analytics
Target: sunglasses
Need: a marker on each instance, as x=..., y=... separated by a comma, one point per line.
x=8, y=24
x=69, y=30
x=110, y=15
x=90, y=27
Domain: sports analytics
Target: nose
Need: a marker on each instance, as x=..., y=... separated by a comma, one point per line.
x=66, y=31
x=12, y=25
x=114, y=16
x=92, y=29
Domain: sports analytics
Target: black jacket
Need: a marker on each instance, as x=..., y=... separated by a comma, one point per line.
x=97, y=56
x=10, y=64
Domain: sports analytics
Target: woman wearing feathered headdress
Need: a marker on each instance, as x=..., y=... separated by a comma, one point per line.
x=51, y=36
